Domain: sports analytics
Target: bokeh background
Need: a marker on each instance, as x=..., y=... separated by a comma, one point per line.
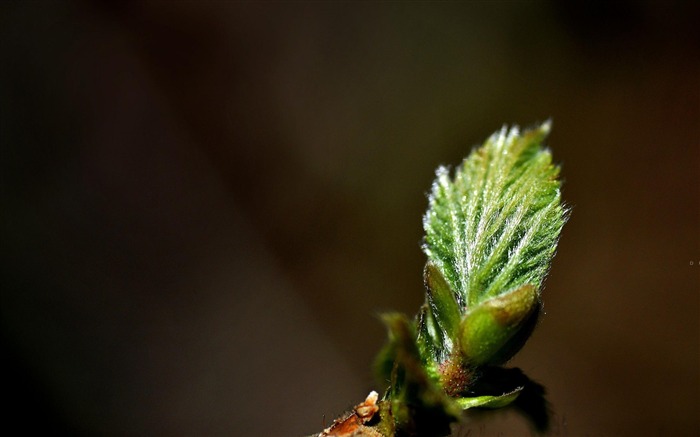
x=206, y=205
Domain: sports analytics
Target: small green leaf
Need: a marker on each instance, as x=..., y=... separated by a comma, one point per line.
x=491, y=231
x=441, y=300
x=489, y=401
x=494, y=225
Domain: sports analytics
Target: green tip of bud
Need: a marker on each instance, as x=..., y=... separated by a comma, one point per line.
x=493, y=331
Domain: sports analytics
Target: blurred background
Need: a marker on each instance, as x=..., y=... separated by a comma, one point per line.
x=206, y=205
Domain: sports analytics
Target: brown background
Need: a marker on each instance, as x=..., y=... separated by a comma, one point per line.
x=205, y=206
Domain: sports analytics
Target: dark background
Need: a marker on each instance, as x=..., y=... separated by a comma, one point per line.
x=206, y=205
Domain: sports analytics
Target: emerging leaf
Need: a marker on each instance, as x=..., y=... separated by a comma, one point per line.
x=489, y=401
x=494, y=225
x=491, y=231
x=441, y=302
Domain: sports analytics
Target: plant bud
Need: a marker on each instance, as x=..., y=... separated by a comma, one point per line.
x=493, y=331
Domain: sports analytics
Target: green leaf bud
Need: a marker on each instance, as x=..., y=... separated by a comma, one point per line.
x=493, y=331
